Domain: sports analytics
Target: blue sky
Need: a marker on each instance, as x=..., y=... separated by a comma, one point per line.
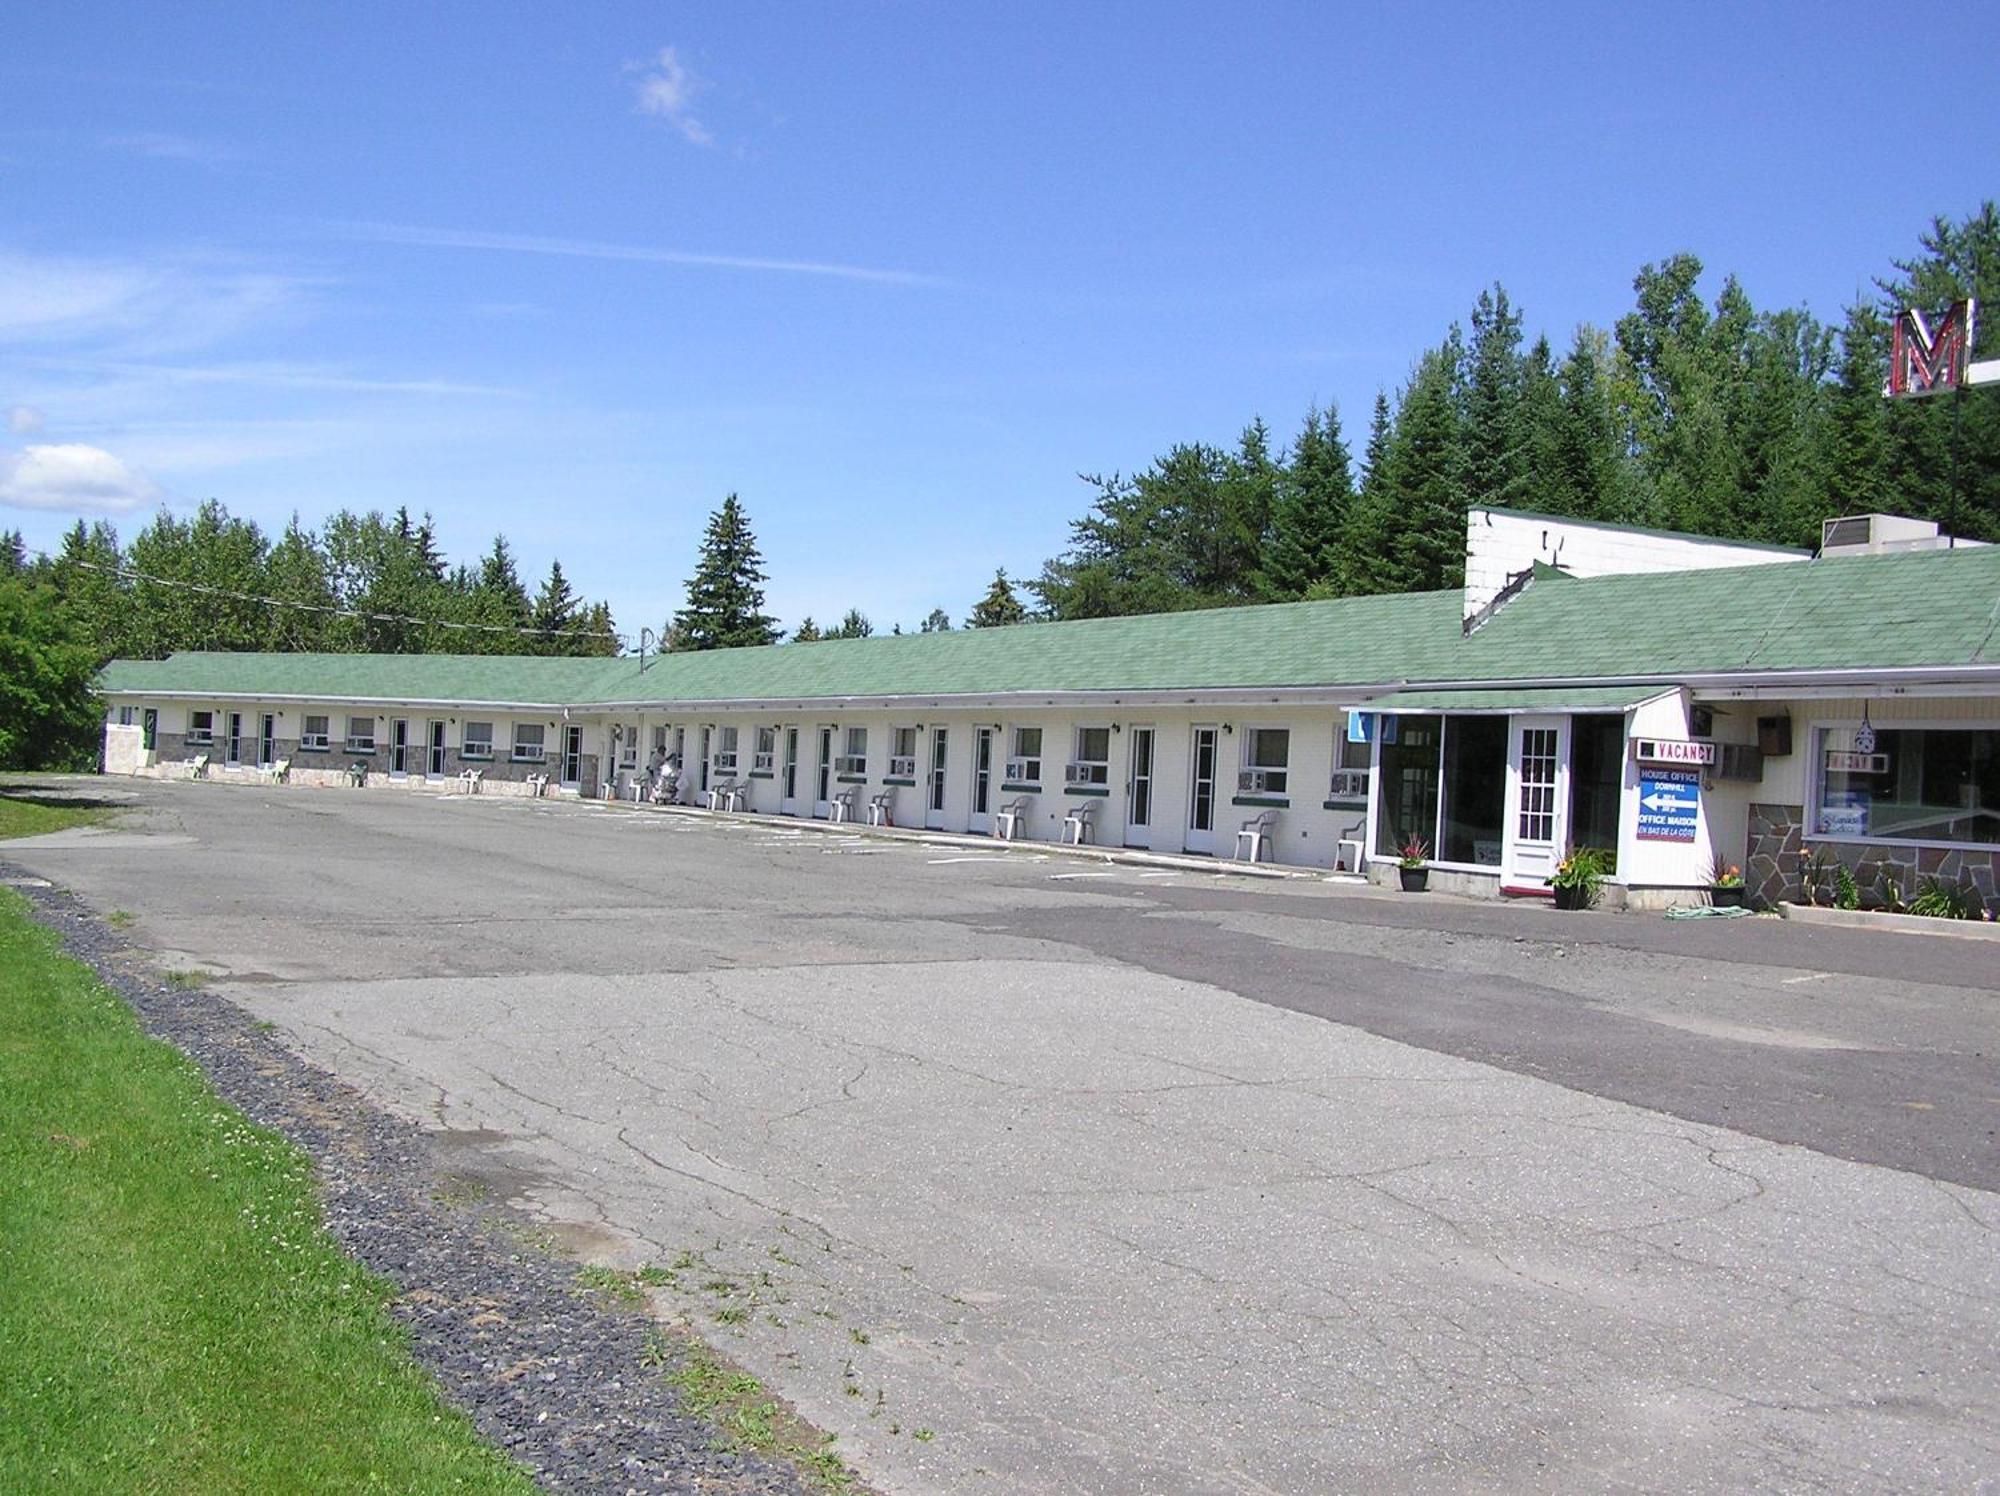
x=894, y=273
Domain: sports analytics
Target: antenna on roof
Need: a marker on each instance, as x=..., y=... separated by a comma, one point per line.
x=644, y=635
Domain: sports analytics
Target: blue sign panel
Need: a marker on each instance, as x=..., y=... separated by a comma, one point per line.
x=1669, y=802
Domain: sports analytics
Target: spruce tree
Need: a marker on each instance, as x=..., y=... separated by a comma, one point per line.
x=1365, y=537
x=854, y=625
x=1309, y=510
x=1497, y=434
x=1425, y=497
x=1857, y=432
x=937, y=621
x=555, y=614
x=807, y=632
x=725, y=596
x=999, y=607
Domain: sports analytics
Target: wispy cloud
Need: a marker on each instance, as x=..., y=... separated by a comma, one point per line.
x=158, y=145
x=270, y=375
x=25, y=420
x=586, y=249
x=140, y=306
x=667, y=87
x=71, y=477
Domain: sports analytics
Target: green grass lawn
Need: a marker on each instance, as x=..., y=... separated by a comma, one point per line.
x=21, y=815
x=172, y=1316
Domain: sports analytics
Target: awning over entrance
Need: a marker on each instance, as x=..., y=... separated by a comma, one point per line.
x=1535, y=699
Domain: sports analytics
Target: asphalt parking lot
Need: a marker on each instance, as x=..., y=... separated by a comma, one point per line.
x=1038, y=1174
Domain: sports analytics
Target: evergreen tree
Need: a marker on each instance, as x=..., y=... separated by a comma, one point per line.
x=497, y=599
x=1497, y=432
x=13, y=554
x=555, y=614
x=1857, y=432
x=854, y=626
x=1425, y=483
x=1581, y=455
x=1309, y=510
x=725, y=601
x=999, y=607
x=1366, y=537
x=937, y=621
x=807, y=632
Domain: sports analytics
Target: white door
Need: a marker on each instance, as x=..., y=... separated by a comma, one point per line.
x=399, y=746
x=1202, y=754
x=233, y=740
x=1139, y=790
x=934, y=787
x=982, y=779
x=267, y=741
x=823, y=775
x=1537, y=799
x=435, y=751
x=788, y=775
x=572, y=755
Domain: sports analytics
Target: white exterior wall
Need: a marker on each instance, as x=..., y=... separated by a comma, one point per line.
x=1500, y=544
x=1306, y=834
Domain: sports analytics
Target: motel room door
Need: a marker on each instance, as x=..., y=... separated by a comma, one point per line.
x=935, y=784
x=1537, y=826
x=823, y=773
x=788, y=783
x=572, y=755
x=1203, y=749
x=1139, y=790
x=399, y=747
x=982, y=779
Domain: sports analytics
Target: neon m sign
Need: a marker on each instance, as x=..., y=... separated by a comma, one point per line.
x=1923, y=362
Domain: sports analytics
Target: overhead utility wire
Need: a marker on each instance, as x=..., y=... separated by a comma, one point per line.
x=333, y=609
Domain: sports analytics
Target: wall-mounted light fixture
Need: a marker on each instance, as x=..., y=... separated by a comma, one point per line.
x=1117, y=727
x=1229, y=728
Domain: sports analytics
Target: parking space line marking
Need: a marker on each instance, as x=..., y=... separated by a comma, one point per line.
x=948, y=861
x=1062, y=877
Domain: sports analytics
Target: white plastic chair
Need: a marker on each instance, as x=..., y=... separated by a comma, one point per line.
x=1256, y=834
x=882, y=807
x=1080, y=821
x=537, y=783
x=198, y=766
x=1007, y=819
x=281, y=771
x=841, y=808
x=470, y=779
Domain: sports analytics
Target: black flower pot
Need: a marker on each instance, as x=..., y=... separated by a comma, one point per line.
x=1415, y=879
x=1571, y=896
x=1727, y=898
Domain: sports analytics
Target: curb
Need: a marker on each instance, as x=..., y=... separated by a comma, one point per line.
x=1902, y=924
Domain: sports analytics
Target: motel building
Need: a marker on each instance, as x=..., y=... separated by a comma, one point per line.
x=1680, y=701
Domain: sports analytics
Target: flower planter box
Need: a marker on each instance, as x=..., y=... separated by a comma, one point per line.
x=1571, y=897
x=1727, y=898
x=1415, y=879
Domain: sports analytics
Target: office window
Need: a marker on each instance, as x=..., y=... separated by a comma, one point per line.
x=1913, y=784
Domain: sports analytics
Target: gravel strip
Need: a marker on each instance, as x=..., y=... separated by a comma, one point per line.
x=545, y=1370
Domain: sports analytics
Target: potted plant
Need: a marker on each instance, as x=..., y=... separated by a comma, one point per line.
x=1413, y=865
x=1578, y=878
x=1725, y=886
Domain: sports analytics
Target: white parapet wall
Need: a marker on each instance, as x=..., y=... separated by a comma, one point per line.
x=1500, y=544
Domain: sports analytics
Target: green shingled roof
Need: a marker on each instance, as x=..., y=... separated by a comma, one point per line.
x=1938, y=608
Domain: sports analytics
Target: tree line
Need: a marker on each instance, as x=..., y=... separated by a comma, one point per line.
x=1687, y=414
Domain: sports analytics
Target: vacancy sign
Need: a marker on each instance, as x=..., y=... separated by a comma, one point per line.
x=1669, y=804
x=1672, y=751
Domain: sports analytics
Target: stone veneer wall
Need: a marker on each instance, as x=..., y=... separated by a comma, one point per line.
x=1778, y=849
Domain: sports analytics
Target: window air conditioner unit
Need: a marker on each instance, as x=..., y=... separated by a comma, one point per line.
x=761, y=763
x=1250, y=782
x=1079, y=773
x=1743, y=761
x=851, y=763
x=1349, y=784
x=1017, y=769
x=360, y=745
x=903, y=768
x=528, y=755
x=726, y=762
x=314, y=741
